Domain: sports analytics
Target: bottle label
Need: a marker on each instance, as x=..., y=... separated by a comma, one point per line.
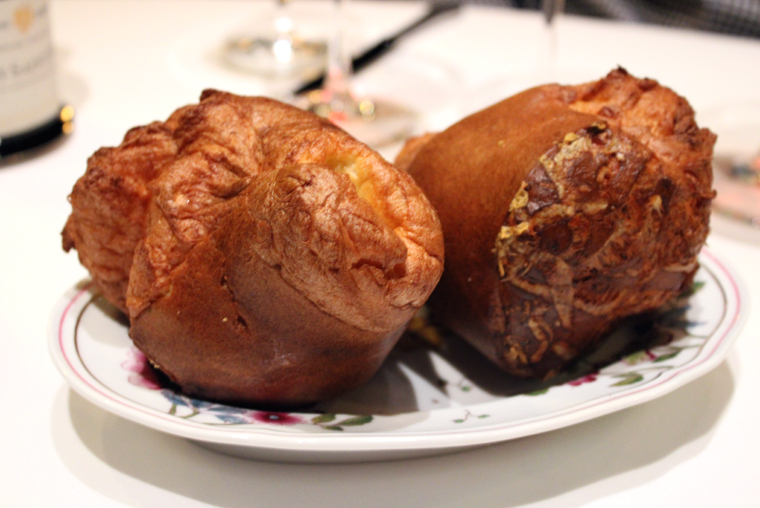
x=28, y=95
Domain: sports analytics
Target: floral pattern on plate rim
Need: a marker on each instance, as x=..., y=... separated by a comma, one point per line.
x=652, y=362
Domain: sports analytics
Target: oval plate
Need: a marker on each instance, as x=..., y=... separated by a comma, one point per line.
x=424, y=400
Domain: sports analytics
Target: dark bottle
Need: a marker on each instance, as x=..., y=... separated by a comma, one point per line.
x=31, y=113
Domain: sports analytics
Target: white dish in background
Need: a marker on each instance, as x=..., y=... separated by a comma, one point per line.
x=736, y=171
x=422, y=402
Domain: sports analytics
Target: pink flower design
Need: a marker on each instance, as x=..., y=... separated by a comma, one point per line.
x=274, y=418
x=588, y=378
x=143, y=375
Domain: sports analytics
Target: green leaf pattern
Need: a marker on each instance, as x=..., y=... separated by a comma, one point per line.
x=188, y=408
x=628, y=379
x=353, y=421
x=324, y=418
x=671, y=319
x=468, y=415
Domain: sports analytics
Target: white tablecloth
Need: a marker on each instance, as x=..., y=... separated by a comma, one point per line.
x=123, y=63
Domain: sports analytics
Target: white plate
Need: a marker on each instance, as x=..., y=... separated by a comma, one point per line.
x=422, y=402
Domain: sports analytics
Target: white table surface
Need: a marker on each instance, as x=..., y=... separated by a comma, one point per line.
x=123, y=63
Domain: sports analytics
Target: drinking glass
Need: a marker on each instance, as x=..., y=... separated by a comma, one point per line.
x=277, y=49
x=372, y=120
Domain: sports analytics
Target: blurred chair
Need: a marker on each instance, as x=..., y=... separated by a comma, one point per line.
x=737, y=17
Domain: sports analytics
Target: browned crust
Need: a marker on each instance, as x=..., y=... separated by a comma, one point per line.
x=564, y=209
x=267, y=256
x=109, y=206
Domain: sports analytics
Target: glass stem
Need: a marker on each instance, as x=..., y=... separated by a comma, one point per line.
x=338, y=58
x=552, y=10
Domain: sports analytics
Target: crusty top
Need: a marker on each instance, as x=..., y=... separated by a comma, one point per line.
x=565, y=208
x=357, y=240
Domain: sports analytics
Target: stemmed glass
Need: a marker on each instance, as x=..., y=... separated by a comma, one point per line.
x=552, y=9
x=374, y=121
x=279, y=50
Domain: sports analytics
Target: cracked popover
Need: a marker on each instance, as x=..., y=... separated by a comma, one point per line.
x=564, y=209
x=262, y=255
